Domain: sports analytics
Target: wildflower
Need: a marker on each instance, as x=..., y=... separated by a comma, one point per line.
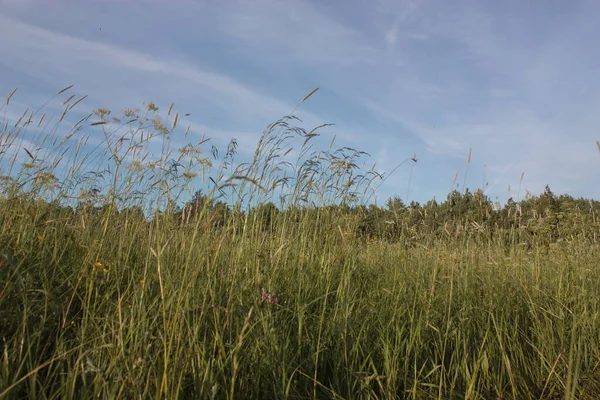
x=105, y=270
x=270, y=298
x=142, y=282
x=97, y=264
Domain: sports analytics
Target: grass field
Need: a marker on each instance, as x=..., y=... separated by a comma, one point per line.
x=108, y=290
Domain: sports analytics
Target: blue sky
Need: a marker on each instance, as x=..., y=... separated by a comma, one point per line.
x=516, y=81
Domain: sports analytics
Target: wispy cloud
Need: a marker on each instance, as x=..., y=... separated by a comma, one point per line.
x=285, y=33
x=111, y=71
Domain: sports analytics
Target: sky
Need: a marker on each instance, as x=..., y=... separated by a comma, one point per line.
x=518, y=82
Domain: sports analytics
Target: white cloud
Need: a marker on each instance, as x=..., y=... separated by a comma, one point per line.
x=284, y=32
x=111, y=74
x=391, y=36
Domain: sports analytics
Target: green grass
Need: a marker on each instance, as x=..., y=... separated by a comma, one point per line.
x=100, y=301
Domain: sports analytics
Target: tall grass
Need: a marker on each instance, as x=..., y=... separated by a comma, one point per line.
x=108, y=289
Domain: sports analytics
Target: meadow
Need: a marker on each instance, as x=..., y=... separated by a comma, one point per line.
x=120, y=278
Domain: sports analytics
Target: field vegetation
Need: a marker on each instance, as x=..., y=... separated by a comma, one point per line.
x=138, y=261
